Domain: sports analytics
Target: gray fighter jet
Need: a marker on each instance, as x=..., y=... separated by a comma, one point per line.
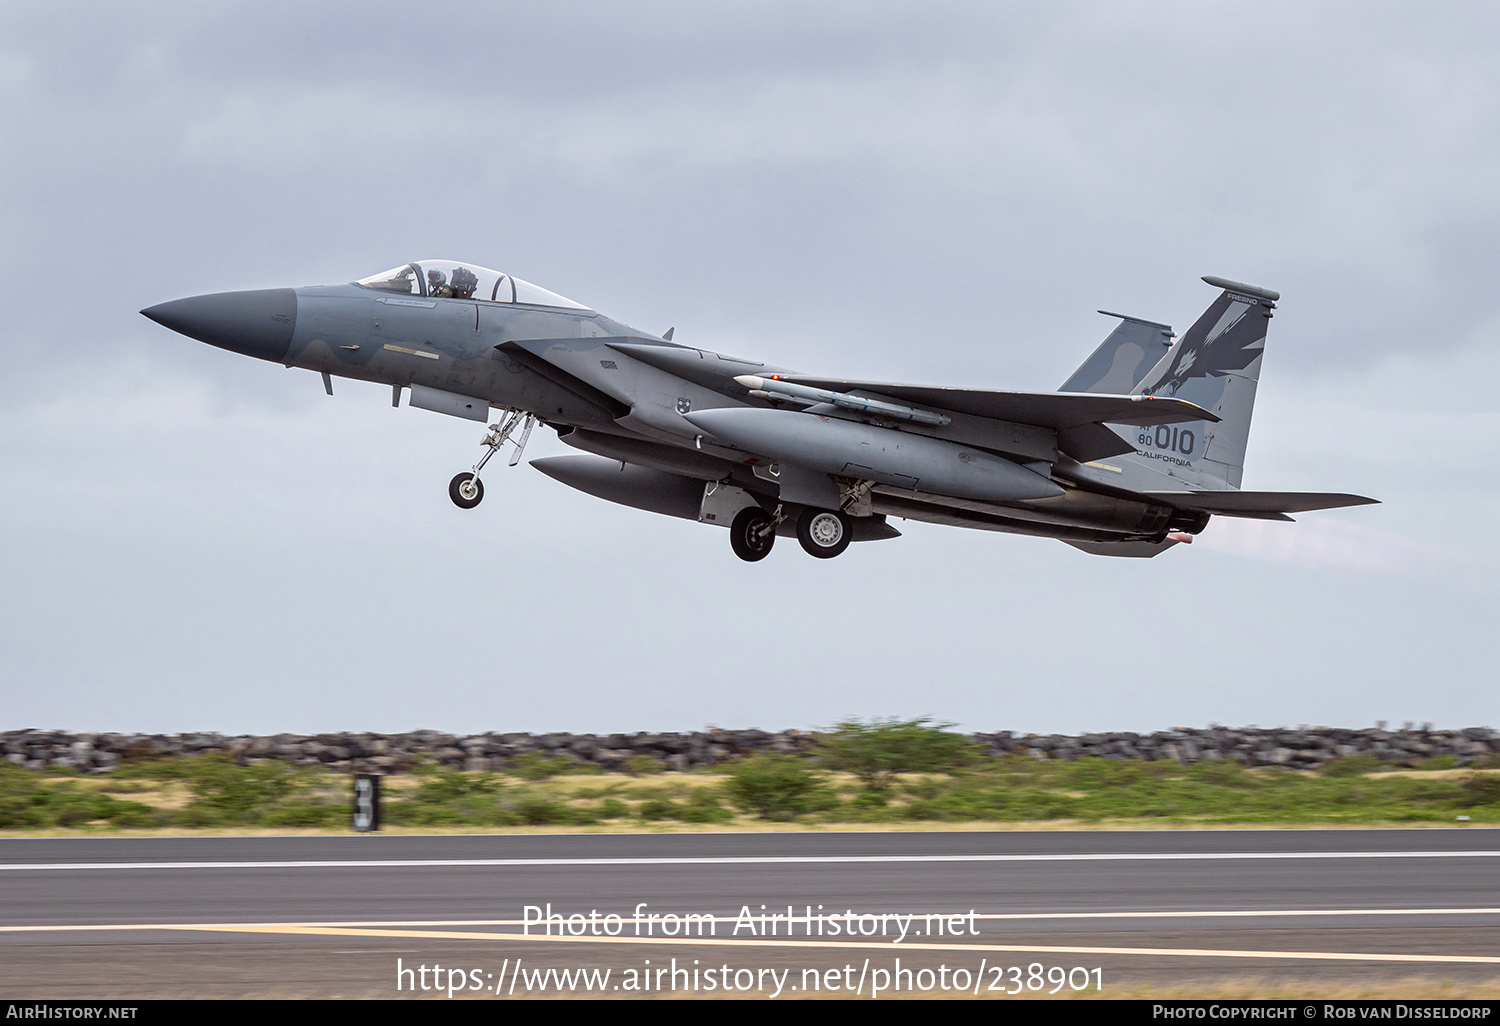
x=1134, y=454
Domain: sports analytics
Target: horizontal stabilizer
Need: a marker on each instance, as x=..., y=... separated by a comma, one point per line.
x=1257, y=505
x=1089, y=442
x=1056, y=410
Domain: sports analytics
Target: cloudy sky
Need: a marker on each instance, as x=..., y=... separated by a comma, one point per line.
x=938, y=193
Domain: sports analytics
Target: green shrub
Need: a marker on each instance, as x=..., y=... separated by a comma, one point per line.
x=307, y=815
x=636, y=765
x=223, y=791
x=875, y=752
x=1222, y=772
x=27, y=801
x=139, y=817
x=657, y=808
x=703, y=807
x=440, y=786
x=159, y=766
x=703, y=813
x=536, y=766
x=613, y=808
x=777, y=787
x=1352, y=766
x=114, y=786
x=1481, y=789
x=539, y=811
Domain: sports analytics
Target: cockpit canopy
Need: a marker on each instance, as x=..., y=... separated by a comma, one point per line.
x=449, y=279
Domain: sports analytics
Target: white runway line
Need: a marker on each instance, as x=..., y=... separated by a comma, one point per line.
x=746, y=860
x=729, y=917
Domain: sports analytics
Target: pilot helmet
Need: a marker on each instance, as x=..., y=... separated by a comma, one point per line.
x=464, y=282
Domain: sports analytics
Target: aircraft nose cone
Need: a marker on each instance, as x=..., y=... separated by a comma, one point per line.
x=257, y=323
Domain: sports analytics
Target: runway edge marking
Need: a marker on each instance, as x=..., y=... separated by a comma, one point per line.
x=631, y=920
x=287, y=929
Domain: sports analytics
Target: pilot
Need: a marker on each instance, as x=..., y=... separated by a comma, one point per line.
x=437, y=285
x=464, y=283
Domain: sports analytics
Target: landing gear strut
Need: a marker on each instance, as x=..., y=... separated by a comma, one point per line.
x=824, y=532
x=466, y=490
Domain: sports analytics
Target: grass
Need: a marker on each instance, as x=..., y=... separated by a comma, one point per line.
x=205, y=793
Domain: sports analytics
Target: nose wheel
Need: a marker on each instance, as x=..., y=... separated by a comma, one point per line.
x=466, y=490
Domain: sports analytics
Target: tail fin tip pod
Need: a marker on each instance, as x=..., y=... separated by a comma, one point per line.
x=1241, y=287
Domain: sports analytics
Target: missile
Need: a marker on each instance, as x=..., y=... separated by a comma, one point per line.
x=775, y=387
x=872, y=453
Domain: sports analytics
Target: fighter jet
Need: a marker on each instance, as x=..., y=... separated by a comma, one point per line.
x=1135, y=453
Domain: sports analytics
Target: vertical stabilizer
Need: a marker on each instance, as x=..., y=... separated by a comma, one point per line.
x=1216, y=364
x=1123, y=358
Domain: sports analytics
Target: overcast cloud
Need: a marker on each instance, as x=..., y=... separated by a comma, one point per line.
x=926, y=192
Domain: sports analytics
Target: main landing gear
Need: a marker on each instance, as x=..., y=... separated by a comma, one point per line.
x=466, y=490
x=752, y=533
x=824, y=533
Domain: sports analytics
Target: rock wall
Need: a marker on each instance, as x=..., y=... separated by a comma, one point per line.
x=1304, y=748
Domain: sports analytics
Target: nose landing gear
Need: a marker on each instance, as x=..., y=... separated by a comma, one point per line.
x=466, y=490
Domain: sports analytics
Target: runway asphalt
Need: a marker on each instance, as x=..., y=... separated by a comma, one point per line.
x=330, y=916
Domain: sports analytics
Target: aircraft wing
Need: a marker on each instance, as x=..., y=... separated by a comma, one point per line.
x=1061, y=411
x=711, y=370
x=1257, y=505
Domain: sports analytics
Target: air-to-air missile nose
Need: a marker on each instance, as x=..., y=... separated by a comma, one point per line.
x=257, y=323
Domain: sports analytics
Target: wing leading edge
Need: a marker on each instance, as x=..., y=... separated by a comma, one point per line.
x=1060, y=411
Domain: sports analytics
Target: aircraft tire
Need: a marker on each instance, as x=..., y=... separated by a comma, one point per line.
x=824, y=533
x=462, y=495
x=745, y=535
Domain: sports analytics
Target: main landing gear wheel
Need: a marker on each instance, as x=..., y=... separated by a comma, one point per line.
x=466, y=490
x=752, y=534
x=823, y=532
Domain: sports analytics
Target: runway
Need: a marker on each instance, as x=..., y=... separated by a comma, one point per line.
x=330, y=916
